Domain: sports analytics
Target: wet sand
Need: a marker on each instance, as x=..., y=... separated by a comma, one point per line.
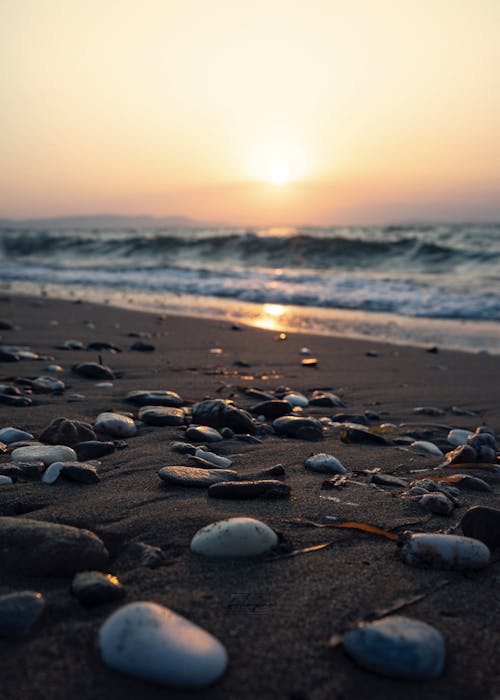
x=274, y=617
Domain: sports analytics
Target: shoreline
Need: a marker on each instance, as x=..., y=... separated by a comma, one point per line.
x=274, y=617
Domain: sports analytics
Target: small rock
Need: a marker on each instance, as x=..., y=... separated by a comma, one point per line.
x=437, y=503
x=162, y=415
x=309, y=362
x=325, y=463
x=235, y=537
x=103, y=346
x=361, y=437
x=474, y=483
x=351, y=418
x=217, y=460
x=266, y=473
x=183, y=448
x=47, y=385
x=52, y=473
x=191, y=476
x=428, y=447
x=483, y=524
x=148, y=641
x=486, y=454
x=10, y=470
x=295, y=398
x=477, y=440
x=272, y=409
x=241, y=437
x=19, y=613
x=93, y=449
x=217, y=413
x=9, y=435
x=18, y=401
x=246, y=490
x=93, y=370
x=443, y=551
x=62, y=431
x=398, y=647
x=115, y=424
x=141, y=346
x=387, y=480
x=71, y=345
x=428, y=411
x=203, y=433
x=44, y=453
x=154, y=398
x=55, y=368
x=141, y=554
x=80, y=472
x=461, y=455
x=326, y=399
x=5, y=480
x=38, y=548
x=458, y=437
x=299, y=428
x=95, y=588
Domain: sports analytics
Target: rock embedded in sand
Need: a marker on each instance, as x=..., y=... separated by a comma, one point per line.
x=62, y=431
x=92, y=449
x=360, y=436
x=183, y=448
x=428, y=447
x=437, y=503
x=235, y=537
x=38, y=548
x=298, y=427
x=272, y=409
x=9, y=435
x=154, y=398
x=483, y=524
x=443, y=551
x=95, y=588
x=325, y=463
x=115, y=424
x=326, y=399
x=474, y=483
x=19, y=613
x=47, y=385
x=71, y=345
x=428, y=411
x=192, y=476
x=387, y=480
x=79, y=472
x=162, y=415
x=248, y=490
x=398, y=647
x=93, y=370
x=218, y=413
x=44, y=453
x=141, y=346
x=203, y=433
x=151, y=642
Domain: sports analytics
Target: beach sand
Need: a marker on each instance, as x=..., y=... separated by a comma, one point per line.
x=275, y=617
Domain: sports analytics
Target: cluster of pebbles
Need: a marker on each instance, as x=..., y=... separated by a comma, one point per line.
x=152, y=642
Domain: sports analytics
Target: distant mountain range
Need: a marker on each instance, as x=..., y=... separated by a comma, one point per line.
x=107, y=221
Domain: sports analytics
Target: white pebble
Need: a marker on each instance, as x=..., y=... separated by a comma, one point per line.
x=149, y=641
x=295, y=398
x=445, y=551
x=429, y=447
x=8, y=435
x=115, y=424
x=51, y=474
x=44, y=453
x=327, y=464
x=4, y=480
x=458, y=437
x=211, y=457
x=235, y=537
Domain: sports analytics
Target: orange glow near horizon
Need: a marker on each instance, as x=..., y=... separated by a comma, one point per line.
x=270, y=112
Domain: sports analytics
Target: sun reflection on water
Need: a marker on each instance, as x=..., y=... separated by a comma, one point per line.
x=270, y=317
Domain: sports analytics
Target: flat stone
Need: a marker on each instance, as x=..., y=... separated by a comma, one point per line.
x=217, y=413
x=483, y=524
x=428, y=447
x=325, y=464
x=387, y=480
x=398, y=647
x=80, y=472
x=203, y=433
x=19, y=613
x=360, y=436
x=235, y=537
x=247, y=490
x=326, y=399
x=272, y=409
x=215, y=459
x=48, y=385
x=192, y=476
x=357, y=418
x=38, y=548
x=157, y=397
x=52, y=473
x=437, y=551
x=93, y=449
x=162, y=415
x=298, y=427
x=17, y=401
x=62, y=431
x=94, y=588
x=93, y=370
x=9, y=435
x=428, y=411
x=183, y=448
x=148, y=641
x=141, y=346
x=44, y=453
x=115, y=424
x=474, y=483
x=295, y=398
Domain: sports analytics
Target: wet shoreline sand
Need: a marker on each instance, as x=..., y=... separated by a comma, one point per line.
x=274, y=617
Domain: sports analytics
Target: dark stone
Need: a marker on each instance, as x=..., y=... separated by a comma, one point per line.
x=227, y=433
x=183, y=448
x=192, y=476
x=428, y=411
x=246, y=490
x=270, y=472
x=19, y=613
x=474, y=483
x=203, y=433
x=483, y=524
x=486, y=454
x=326, y=400
x=93, y=370
x=93, y=449
x=387, y=480
x=98, y=346
x=95, y=588
x=218, y=413
x=351, y=418
x=5, y=325
x=10, y=470
x=242, y=437
x=482, y=440
x=362, y=437
x=9, y=400
x=298, y=427
x=258, y=394
x=461, y=455
x=62, y=431
x=6, y=356
x=154, y=398
x=272, y=409
x=10, y=390
x=162, y=415
x=38, y=548
x=82, y=473
x=140, y=346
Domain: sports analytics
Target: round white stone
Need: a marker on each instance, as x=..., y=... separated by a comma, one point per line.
x=458, y=437
x=327, y=464
x=51, y=474
x=235, y=537
x=295, y=398
x=44, y=453
x=152, y=642
x=429, y=447
x=115, y=424
x=445, y=551
x=211, y=457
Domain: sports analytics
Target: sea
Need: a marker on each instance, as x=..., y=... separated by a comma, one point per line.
x=427, y=285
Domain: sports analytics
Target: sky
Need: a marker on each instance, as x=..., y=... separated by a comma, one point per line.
x=251, y=112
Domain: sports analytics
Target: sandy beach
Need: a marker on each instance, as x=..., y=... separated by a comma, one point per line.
x=275, y=615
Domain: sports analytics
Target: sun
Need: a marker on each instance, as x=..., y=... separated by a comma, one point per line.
x=279, y=174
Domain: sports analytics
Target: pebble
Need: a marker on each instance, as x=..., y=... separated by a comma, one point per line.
x=325, y=463
x=428, y=411
x=241, y=437
x=326, y=399
x=44, y=453
x=93, y=370
x=483, y=524
x=235, y=537
x=80, y=472
x=48, y=385
x=62, y=431
x=428, y=447
x=458, y=437
x=93, y=449
x=52, y=473
x=215, y=459
x=105, y=385
x=474, y=483
x=162, y=415
x=95, y=588
x=10, y=470
x=360, y=436
x=387, y=480
x=155, y=398
x=246, y=490
x=398, y=647
x=192, y=476
x=9, y=435
x=298, y=427
x=461, y=455
x=5, y=480
x=54, y=368
x=38, y=548
x=272, y=409
x=141, y=554
x=71, y=345
x=443, y=551
x=218, y=413
x=19, y=613
x=351, y=418
x=12, y=400
x=437, y=503
x=151, y=642
x=309, y=362
x=295, y=398
x=115, y=424
x=266, y=473
x=203, y=433
x=183, y=448
x=5, y=325
x=99, y=346
x=141, y=346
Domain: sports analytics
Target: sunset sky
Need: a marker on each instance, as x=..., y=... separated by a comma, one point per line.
x=270, y=111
